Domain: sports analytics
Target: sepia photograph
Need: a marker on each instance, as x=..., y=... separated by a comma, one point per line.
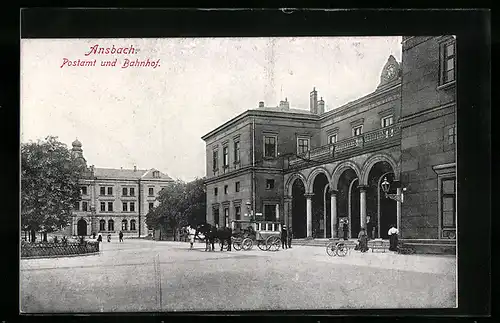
x=238, y=174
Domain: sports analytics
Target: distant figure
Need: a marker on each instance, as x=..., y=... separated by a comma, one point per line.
x=99, y=238
x=345, y=228
x=363, y=240
x=93, y=235
x=290, y=236
x=284, y=237
x=109, y=237
x=393, y=238
x=120, y=236
x=191, y=234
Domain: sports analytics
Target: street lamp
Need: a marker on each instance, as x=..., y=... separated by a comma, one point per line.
x=386, y=186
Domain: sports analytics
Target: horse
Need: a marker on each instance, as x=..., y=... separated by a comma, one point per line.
x=212, y=233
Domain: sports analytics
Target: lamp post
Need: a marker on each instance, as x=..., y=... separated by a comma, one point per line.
x=396, y=197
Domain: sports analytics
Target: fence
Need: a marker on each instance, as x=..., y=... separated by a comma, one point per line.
x=57, y=249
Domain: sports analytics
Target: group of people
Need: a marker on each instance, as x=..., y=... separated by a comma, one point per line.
x=363, y=239
x=99, y=238
x=286, y=237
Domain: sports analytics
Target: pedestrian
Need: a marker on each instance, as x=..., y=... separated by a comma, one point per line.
x=120, y=235
x=284, y=237
x=363, y=240
x=345, y=228
x=191, y=232
x=290, y=236
x=93, y=235
x=393, y=238
x=109, y=237
x=99, y=238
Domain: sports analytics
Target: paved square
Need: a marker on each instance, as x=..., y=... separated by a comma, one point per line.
x=141, y=275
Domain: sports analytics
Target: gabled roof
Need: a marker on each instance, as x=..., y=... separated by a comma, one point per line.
x=129, y=174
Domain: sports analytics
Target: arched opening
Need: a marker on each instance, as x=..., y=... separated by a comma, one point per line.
x=111, y=225
x=102, y=225
x=132, y=225
x=124, y=225
x=299, y=225
x=382, y=211
x=348, y=199
x=82, y=227
x=319, y=211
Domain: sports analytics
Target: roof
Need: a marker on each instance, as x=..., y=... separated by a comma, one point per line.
x=281, y=109
x=129, y=174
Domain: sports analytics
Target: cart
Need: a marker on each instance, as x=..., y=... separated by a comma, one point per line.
x=265, y=234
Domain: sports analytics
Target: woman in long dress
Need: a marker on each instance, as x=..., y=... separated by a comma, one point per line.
x=363, y=240
x=393, y=238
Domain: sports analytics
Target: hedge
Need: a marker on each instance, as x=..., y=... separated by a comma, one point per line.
x=57, y=249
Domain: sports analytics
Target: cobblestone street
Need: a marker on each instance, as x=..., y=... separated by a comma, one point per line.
x=141, y=275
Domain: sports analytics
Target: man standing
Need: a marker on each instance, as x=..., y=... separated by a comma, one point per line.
x=290, y=236
x=120, y=235
x=191, y=234
x=345, y=228
x=393, y=238
x=284, y=237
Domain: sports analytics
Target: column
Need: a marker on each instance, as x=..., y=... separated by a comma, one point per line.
x=333, y=212
x=287, y=211
x=309, y=214
x=362, y=205
x=324, y=215
x=398, y=211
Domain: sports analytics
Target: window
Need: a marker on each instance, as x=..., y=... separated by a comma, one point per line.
x=225, y=153
x=216, y=216
x=76, y=206
x=156, y=174
x=132, y=191
x=270, y=212
x=151, y=191
x=125, y=207
x=226, y=189
x=387, y=121
x=132, y=206
x=103, y=207
x=236, y=151
x=448, y=197
x=237, y=212
x=226, y=217
x=270, y=146
x=452, y=135
x=448, y=63
x=215, y=159
x=216, y=191
x=103, y=191
x=102, y=225
x=151, y=206
x=124, y=191
x=237, y=186
x=110, y=191
x=356, y=131
x=84, y=190
x=111, y=225
x=132, y=225
x=269, y=184
x=110, y=206
x=124, y=225
x=85, y=205
x=332, y=139
x=302, y=145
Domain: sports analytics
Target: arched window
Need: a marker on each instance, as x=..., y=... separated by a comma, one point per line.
x=111, y=225
x=124, y=225
x=102, y=225
x=132, y=225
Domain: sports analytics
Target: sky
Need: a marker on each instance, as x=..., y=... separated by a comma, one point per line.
x=154, y=116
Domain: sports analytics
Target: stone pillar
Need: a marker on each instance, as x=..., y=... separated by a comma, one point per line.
x=362, y=205
x=333, y=212
x=287, y=210
x=398, y=211
x=309, y=214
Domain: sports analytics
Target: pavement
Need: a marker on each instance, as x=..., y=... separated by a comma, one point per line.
x=150, y=276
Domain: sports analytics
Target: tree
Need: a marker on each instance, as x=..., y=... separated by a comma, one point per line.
x=197, y=202
x=49, y=185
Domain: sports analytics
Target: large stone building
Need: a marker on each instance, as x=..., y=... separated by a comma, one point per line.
x=115, y=200
x=314, y=169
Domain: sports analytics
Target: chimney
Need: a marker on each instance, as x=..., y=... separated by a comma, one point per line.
x=285, y=104
x=135, y=168
x=261, y=104
x=313, y=102
x=321, y=106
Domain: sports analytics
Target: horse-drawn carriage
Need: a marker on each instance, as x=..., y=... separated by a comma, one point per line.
x=264, y=234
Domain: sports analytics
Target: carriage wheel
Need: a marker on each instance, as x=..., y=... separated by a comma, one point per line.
x=247, y=244
x=262, y=245
x=342, y=250
x=273, y=243
x=331, y=249
x=237, y=244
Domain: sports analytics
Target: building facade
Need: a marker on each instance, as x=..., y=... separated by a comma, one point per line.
x=115, y=200
x=315, y=170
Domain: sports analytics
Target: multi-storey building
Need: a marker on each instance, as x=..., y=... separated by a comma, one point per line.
x=313, y=170
x=115, y=200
